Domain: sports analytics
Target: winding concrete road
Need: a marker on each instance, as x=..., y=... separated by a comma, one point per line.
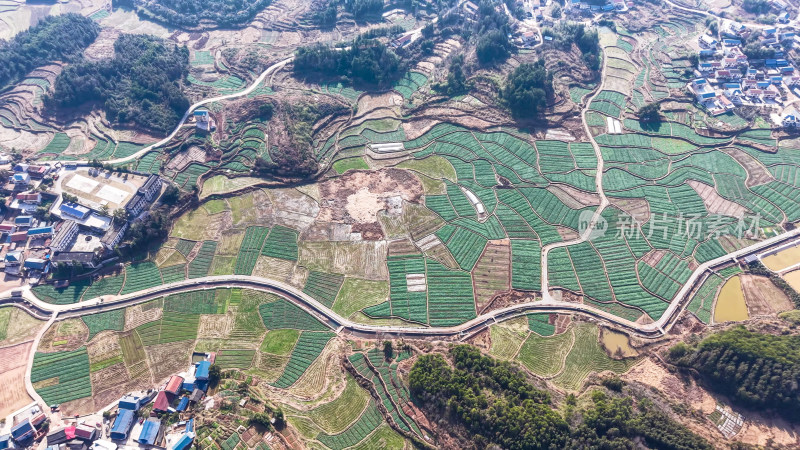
x=271, y=69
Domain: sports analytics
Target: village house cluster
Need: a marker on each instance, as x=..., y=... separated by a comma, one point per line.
x=132, y=423
x=725, y=78
x=68, y=215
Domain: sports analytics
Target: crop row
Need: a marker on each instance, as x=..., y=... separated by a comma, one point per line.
x=200, y=265
x=308, y=348
x=71, y=370
x=323, y=286
x=282, y=314
x=141, y=276
x=251, y=247
x=281, y=243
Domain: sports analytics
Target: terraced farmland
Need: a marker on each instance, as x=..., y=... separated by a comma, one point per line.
x=62, y=376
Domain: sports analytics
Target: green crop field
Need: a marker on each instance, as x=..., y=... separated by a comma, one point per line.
x=235, y=359
x=336, y=415
x=545, y=356
x=343, y=165
x=281, y=243
x=357, y=294
x=71, y=371
x=109, y=320
x=587, y=356
x=251, y=247
x=110, y=285
x=194, y=302
x=141, y=276
x=540, y=324
x=62, y=296
x=282, y=313
x=369, y=420
x=308, y=347
x=201, y=264
x=280, y=342
x=323, y=286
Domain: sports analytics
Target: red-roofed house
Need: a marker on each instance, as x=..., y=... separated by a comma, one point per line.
x=161, y=403
x=20, y=236
x=174, y=385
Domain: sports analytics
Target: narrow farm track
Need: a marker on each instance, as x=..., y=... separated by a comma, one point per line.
x=598, y=181
x=270, y=70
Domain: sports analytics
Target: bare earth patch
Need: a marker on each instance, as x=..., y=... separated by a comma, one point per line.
x=12, y=377
x=714, y=202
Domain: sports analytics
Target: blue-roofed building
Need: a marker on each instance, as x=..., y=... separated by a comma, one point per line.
x=22, y=178
x=190, y=426
x=183, y=404
x=133, y=402
x=35, y=264
x=40, y=231
x=74, y=210
x=122, y=425
x=730, y=42
x=149, y=433
x=184, y=442
x=22, y=431
x=202, y=370
x=23, y=221
x=5, y=441
x=188, y=385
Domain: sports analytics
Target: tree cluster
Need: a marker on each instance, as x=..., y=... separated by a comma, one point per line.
x=54, y=38
x=526, y=89
x=140, y=84
x=758, y=371
x=326, y=18
x=365, y=62
x=756, y=6
x=650, y=112
x=153, y=229
x=566, y=34
x=497, y=406
x=189, y=13
x=492, y=30
x=456, y=83
x=491, y=399
x=614, y=423
x=365, y=10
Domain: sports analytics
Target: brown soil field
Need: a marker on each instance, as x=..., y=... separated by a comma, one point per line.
x=215, y=326
x=763, y=297
x=21, y=327
x=104, y=346
x=756, y=173
x=65, y=335
x=714, y=202
x=13, y=394
x=168, y=359
x=492, y=272
x=638, y=208
x=358, y=196
x=78, y=407
x=653, y=374
x=140, y=314
x=292, y=208
x=574, y=198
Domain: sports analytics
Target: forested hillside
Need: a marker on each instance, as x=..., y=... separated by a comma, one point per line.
x=491, y=402
x=54, y=38
x=760, y=371
x=190, y=13
x=140, y=84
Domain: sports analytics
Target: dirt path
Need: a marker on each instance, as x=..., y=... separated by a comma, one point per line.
x=598, y=181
